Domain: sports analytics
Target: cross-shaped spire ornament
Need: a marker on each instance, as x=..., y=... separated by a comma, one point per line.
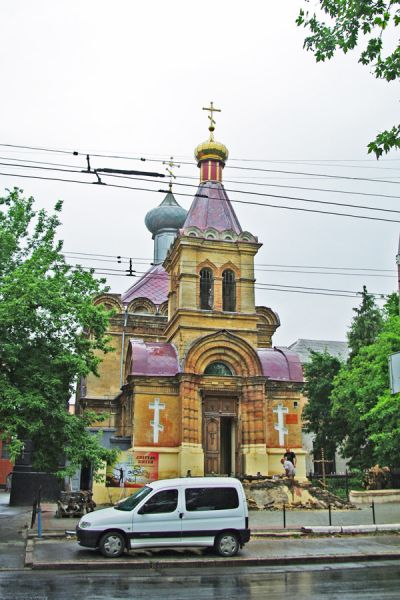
x=170, y=165
x=211, y=110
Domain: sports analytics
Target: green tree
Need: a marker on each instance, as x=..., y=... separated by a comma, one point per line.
x=343, y=25
x=317, y=414
x=366, y=324
x=49, y=332
x=368, y=416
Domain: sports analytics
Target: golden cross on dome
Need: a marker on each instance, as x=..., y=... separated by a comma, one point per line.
x=212, y=110
x=170, y=165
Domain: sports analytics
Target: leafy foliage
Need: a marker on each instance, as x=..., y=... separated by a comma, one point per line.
x=351, y=22
x=366, y=324
x=49, y=332
x=317, y=418
x=350, y=404
x=369, y=413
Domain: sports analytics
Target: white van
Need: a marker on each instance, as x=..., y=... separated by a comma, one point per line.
x=198, y=511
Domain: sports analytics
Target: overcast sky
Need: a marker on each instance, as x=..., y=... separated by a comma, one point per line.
x=130, y=78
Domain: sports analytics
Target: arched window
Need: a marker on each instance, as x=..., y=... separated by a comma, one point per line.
x=228, y=291
x=206, y=289
x=218, y=368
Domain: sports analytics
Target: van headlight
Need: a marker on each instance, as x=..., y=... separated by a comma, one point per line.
x=84, y=524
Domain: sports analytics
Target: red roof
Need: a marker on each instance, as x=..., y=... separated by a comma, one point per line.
x=280, y=364
x=152, y=358
x=152, y=285
x=211, y=207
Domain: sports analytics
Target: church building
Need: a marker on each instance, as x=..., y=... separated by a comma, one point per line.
x=195, y=386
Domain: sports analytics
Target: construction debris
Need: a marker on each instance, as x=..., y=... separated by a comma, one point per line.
x=274, y=493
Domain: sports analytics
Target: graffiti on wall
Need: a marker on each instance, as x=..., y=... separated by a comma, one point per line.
x=133, y=470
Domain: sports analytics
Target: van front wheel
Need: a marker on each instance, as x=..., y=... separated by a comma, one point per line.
x=112, y=544
x=227, y=544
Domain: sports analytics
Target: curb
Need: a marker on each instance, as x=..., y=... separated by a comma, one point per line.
x=223, y=562
x=29, y=554
x=352, y=529
x=267, y=533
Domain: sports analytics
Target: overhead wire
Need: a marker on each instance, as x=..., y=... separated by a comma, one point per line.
x=252, y=183
x=259, y=264
x=268, y=205
x=258, y=284
x=142, y=158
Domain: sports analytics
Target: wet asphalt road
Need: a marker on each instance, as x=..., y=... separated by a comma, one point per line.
x=345, y=582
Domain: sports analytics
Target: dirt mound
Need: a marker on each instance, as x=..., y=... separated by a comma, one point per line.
x=272, y=494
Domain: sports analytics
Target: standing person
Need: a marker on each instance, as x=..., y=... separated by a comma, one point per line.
x=8, y=482
x=290, y=456
x=121, y=477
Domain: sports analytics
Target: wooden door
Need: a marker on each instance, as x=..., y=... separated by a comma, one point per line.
x=212, y=441
x=215, y=408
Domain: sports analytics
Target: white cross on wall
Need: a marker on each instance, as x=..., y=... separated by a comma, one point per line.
x=280, y=426
x=155, y=423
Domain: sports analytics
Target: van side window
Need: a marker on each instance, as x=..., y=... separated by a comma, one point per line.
x=162, y=502
x=211, y=498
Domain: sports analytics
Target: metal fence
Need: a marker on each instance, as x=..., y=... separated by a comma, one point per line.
x=341, y=484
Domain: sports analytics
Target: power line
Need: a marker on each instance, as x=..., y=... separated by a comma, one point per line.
x=257, y=269
x=263, y=184
x=119, y=175
x=141, y=158
x=260, y=285
x=280, y=196
x=142, y=258
x=299, y=187
x=283, y=207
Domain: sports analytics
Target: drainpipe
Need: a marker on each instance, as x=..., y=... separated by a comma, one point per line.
x=121, y=374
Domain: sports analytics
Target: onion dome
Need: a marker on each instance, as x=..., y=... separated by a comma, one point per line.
x=211, y=150
x=169, y=215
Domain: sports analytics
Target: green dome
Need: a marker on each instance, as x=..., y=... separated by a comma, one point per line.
x=169, y=215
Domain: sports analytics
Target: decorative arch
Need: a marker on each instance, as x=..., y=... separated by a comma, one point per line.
x=109, y=302
x=211, y=233
x=230, y=266
x=229, y=235
x=207, y=264
x=193, y=231
x=142, y=306
x=268, y=316
x=267, y=323
x=225, y=347
x=163, y=309
x=246, y=236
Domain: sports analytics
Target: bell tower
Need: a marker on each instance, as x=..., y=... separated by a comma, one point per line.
x=211, y=263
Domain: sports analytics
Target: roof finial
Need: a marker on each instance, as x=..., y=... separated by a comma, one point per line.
x=170, y=165
x=212, y=110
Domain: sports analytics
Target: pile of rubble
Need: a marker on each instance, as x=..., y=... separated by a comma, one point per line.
x=273, y=493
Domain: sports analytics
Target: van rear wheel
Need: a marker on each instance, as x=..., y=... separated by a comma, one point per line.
x=227, y=544
x=112, y=544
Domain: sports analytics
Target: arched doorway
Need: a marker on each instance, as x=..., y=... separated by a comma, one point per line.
x=220, y=435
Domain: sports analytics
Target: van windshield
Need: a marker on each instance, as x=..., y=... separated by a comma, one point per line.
x=134, y=500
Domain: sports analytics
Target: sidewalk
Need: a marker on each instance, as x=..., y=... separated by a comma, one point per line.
x=57, y=554
x=270, y=542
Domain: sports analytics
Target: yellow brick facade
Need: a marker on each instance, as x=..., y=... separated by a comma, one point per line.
x=195, y=418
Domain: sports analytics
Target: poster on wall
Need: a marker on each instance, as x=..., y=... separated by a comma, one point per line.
x=133, y=470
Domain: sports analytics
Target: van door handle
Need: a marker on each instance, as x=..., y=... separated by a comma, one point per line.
x=181, y=515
